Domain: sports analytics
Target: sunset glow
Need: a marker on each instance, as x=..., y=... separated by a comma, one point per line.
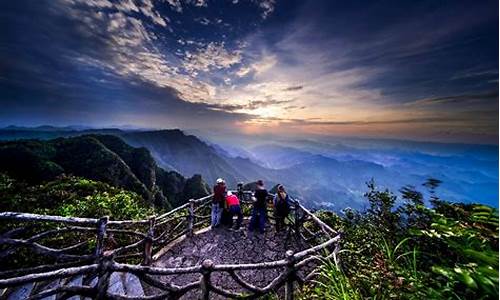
x=290, y=67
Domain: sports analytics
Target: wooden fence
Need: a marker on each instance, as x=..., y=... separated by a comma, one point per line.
x=98, y=247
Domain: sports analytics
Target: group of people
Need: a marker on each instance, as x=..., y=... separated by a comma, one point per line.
x=226, y=206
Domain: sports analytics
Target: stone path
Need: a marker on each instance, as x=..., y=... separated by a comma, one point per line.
x=221, y=245
x=224, y=246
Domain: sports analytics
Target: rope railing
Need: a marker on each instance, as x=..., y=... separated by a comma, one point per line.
x=99, y=247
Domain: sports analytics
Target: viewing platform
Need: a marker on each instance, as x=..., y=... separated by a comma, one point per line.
x=169, y=256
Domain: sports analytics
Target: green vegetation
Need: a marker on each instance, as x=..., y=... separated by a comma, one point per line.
x=66, y=196
x=72, y=196
x=448, y=251
x=410, y=251
x=102, y=158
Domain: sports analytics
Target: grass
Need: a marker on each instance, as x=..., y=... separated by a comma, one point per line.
x=331, y=284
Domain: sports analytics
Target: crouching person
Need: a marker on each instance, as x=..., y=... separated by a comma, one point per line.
x=281, y=207
x=233, y=204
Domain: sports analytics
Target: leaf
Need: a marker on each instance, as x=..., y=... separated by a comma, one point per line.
x=443, y=271
x=488, y=271
x=482, y=208
x=491, y=259
x=485, y=282
x=399, y=245
x=468, y=280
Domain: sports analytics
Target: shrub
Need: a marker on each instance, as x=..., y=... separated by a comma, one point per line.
x=447, y=251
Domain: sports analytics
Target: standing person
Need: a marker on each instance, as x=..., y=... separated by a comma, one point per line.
x=259, y=212
x=281, y=207
x=234, y=208
x=241, y=193
x=218, y=201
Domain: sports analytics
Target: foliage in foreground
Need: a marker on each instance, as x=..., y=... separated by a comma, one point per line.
x=71, y=196
x=65, y=196
x=447, y=251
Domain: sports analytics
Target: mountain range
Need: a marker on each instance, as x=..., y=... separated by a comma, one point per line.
x=329, y=173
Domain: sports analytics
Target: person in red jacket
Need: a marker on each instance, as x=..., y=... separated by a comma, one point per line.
x=233, y=204
x=218, y=201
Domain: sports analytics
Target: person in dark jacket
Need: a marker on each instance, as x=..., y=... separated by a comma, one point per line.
x=281, y=207
x=259, y=212
x=219, y=199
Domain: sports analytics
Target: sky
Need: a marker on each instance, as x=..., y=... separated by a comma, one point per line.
x=423, y=70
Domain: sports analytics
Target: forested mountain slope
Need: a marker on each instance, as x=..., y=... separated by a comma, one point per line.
x=104, y=158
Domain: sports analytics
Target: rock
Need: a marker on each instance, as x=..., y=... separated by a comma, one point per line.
x=174, y=261
x=133, y=286
x=54, y=284
x=22, y=292
x=75, y=281
x=92, y=283
x=268, y=254
x=207, y=247
x=272, y=244
x=116, y=284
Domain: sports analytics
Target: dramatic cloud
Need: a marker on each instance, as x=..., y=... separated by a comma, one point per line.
x=251, y=105
x=213, y=56
x=407, y=69
x=467, y=98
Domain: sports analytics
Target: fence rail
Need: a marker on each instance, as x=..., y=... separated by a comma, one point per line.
x=102, y=246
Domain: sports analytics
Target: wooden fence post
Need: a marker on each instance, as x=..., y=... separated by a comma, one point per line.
x=336, y=251
x=206, y=271
x=104, y=261
x=290, y=268
x=190, y=218
x=296, y=225
x=103, y=277
x=101, y=235
x=148, y=245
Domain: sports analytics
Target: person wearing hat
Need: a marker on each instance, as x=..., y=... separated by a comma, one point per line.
x=259, y=212
x=218, y=201
x=281, y=203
